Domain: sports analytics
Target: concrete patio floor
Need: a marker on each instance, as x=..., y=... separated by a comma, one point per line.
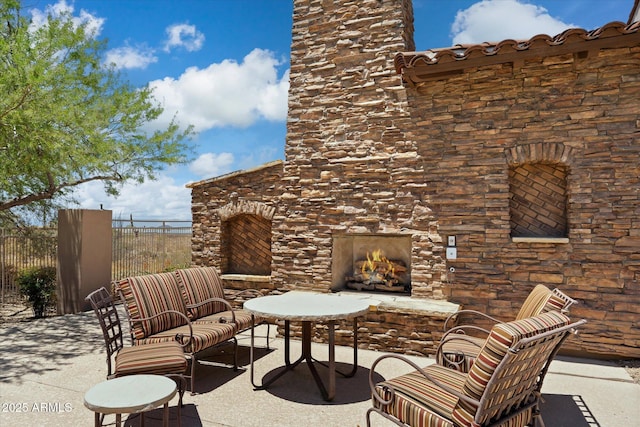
x=47, y=365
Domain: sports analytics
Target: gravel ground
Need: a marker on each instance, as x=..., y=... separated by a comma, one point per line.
x=633, y=368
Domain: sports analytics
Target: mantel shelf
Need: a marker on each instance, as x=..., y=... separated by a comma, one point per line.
x=556, y=240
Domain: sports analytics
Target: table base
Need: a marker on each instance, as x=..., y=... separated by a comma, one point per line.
x=328, y=393
x=165, y=417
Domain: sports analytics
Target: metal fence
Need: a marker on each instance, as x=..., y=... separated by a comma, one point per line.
x=19, y=251
x=139, y=247
x=153, y=247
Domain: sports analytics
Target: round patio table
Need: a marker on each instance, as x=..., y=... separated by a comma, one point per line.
x=130, y=395
x=308, y=308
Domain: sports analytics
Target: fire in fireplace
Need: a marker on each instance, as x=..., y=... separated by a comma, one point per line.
x=378, y=273
x=374, y=262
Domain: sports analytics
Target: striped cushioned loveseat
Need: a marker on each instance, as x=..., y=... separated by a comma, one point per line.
x=501, y=389
x=187, y=305
x=460, y=345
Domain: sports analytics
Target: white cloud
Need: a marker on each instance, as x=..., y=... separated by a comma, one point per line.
x=159, y=199
x=185, y=36
x=129, y=57
x=496, y=20
x=93, y=24
x=273, y=100
x=212, y=164
x=225, y=94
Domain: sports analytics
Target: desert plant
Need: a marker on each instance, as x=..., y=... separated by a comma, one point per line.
x=39, y=286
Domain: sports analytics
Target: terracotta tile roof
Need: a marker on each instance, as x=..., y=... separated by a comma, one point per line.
x=416, y=67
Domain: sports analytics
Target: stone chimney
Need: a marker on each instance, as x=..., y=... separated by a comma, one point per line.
x=350, y=168
x=341, y=72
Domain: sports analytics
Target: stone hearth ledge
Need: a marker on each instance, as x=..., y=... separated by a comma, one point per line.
x=404, y=304
x=245, y=277
x=377, y=301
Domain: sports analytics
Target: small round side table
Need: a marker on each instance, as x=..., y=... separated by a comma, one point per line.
x=131, y=395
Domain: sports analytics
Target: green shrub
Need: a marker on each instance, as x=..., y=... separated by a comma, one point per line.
x=175, y=267
x=39, y=286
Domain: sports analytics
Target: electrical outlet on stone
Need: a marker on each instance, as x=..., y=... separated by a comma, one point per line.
x=452, y=253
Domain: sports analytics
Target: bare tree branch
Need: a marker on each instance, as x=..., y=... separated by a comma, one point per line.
x=52, y=190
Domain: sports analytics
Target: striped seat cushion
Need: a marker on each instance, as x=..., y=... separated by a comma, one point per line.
x=502, y=337
x=150, y=295
x=199, y=284
x=417, y=401
x=243, y=319
x=205, y=335
x=160, y=358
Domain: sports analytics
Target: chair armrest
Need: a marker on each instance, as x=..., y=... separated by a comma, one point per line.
x=220, y=300
x=462, y=330
x=178, y=337
x=440, y=355
x=139, y=319
x=375, y=396
x=471, y=313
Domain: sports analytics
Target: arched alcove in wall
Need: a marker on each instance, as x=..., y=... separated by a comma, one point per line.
x=538, y=190
x=246, y=238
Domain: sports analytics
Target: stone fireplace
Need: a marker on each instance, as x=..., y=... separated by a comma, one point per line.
x=352, y=182
x=356, y=256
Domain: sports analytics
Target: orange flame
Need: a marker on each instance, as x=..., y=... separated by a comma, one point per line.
x=377, y=260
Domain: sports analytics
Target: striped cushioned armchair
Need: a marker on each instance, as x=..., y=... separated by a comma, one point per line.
x=502, y=388
x=165, y=358
x=461, y=344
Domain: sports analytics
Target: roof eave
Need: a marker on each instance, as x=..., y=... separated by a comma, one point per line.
x=418, y=67
x=234, y=174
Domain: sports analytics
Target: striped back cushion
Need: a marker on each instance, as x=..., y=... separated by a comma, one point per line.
x=540, y=300
x=502, y=337
x=198, y=284
x=149, y=295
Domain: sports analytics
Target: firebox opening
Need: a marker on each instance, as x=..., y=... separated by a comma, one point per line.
x=372, y=263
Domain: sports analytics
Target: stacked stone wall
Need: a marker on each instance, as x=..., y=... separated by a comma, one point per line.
x=575, y=111
x=253, y=193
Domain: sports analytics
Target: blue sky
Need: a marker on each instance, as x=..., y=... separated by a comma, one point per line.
x=222, y=65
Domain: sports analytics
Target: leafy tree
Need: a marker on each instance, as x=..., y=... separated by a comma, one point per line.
x=66, y=118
